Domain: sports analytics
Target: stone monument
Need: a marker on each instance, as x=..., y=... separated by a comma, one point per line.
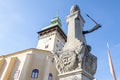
x=74, y=61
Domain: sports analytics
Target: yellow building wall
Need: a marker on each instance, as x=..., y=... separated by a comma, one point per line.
x=26, y=67
x=10, y=68
x=1, y=63
x=25, y=61
x=17, y=66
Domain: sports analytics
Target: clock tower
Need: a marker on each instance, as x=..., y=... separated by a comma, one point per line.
x=52, y=38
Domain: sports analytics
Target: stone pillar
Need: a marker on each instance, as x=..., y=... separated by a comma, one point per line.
x=75, y=62
x=75, y=29
x=75, y=26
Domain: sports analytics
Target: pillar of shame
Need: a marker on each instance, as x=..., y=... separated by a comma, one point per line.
x=74, y=61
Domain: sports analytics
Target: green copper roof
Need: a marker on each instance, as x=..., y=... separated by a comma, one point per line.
x=55, y=21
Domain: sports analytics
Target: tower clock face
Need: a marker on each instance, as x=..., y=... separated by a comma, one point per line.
x=47, y=40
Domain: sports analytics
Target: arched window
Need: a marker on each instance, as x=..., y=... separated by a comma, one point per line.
x=35, y=73
x=50, y=77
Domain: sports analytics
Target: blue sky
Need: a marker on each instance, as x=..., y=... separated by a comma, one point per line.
x=20, y=20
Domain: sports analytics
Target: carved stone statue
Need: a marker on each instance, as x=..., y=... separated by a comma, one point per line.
x=76, y=55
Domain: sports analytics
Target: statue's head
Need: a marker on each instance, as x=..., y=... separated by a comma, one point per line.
x=74, y=8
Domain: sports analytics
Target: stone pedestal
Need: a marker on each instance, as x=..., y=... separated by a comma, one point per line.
x=76, y=75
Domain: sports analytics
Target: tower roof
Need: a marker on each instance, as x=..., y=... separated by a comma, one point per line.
x=54, y=25
x=54, y=22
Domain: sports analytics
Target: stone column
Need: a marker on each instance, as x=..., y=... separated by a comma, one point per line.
x=75, y=29
x=75, y=62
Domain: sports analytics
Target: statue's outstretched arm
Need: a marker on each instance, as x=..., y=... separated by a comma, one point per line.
x=93, y=29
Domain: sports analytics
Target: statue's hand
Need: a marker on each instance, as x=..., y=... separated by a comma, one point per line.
x=97, y=26
x=93, y=29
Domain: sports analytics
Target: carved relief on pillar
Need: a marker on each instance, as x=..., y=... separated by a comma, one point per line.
x=90, y=64
x=75, y=78
x=75, y=59
x=89, y=61
x=70, y=60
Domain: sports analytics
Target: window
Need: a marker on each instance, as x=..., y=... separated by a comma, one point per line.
x=35, y=73
x=57, y=45
x=50, y=77
x=57, y=40
x=46, y=46
x=59, y=49
x=16, y=75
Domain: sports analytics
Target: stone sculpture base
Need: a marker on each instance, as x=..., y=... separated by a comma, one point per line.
x=76, y=75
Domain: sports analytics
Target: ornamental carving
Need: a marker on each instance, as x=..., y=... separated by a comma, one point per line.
x=74, y=78
x=75, y=59
x=70, y=60
x=67, y=62
x=90, y=64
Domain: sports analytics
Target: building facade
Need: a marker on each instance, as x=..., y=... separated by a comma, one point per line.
x=35, y=63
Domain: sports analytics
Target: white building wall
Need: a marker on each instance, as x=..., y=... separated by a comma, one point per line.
x=47, y=40
x=59, y=42
x=53, y=40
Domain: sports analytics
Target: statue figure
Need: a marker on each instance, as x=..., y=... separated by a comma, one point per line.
x=76, y=8
x=94, y=28
x=76, y=54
